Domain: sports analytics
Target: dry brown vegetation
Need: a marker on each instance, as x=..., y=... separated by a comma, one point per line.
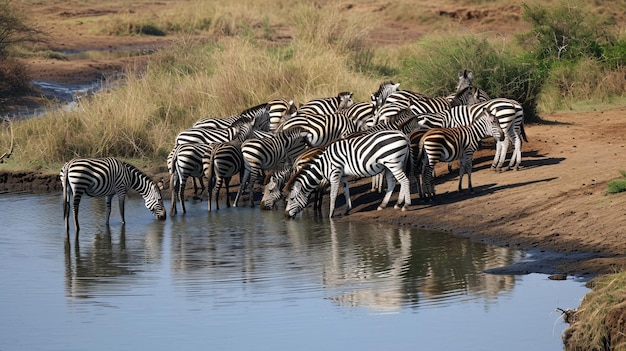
x=557, y=202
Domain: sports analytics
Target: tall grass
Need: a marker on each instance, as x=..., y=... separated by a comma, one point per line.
x=237, y=63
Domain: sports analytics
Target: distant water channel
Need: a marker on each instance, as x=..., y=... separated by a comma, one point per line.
x=245, y=279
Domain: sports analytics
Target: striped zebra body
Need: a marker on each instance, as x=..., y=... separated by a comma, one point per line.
x=322, y=129
x=360, y=156
x=362, y=114
x=509, y=115
x=379, y=97
x=207, y=136
x=428, y=105
x=405, y=97
x=260, y=113
x=268, y=153
x=224, y=161
x=279, y=111
x=186, y=161
x=273, y=190
x=449, y=144
x=221, y=163
x=326, y=106
x=106, y=177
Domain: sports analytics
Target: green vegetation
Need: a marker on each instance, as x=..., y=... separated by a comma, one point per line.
x=617, y=185
x=243, y=63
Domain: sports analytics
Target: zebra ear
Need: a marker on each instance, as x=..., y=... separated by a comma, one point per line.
x=470, y=75
x=396, y=86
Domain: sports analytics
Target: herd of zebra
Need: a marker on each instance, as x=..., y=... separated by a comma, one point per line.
x=301, y=151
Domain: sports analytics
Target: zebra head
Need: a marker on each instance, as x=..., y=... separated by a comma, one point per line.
x=384, y=90
x=465, y=80
x=345, y=100
x=297, y=199
x=154, y=200
x=272, y=191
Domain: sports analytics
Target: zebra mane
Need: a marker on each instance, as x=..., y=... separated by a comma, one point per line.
x=254, y=110
x=383, y=86
x=136, y=171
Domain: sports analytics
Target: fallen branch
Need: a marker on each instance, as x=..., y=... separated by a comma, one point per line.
x=7, y=154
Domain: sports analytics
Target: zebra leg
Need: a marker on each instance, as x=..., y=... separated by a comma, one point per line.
x=404, y=196
x=107, y=215
x=346, y=194
x=75, y=212
x=391, y=184
x=174, y=186
x=121, y=198
x=181, y=193
x=227, y=184
x=497, y=158
x=242, y=184
x=218, y=187
x=427, y=182
x=516, y=157
x=334, y=189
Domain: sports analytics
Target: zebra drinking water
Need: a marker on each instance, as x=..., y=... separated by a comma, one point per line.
x=106, y=177
x=362, y=156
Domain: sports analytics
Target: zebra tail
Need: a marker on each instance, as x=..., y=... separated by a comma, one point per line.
x=523, y=130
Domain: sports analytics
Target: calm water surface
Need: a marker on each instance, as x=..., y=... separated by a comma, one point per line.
x=244, y=279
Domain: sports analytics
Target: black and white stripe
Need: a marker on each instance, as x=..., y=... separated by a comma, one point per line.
x=106, y=177
x=269, y=153
x=322, y=129
x=207, y=136
x=185, y=161
x=361, y=156
x=325, y=106
x=221, y=163
x=509, y=115
x=449, y=144
x=379, y=97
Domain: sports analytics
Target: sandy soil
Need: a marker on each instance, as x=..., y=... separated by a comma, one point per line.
x=556, y=203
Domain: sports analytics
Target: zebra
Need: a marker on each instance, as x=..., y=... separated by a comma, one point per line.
x=273, y=189
x=362, y=114
x=379, y=97
x=279, y=111
x=261, y=114
x=207, y=136
x=465, y=81
x=106, y=177
x=221, y=163
x=448, y=144
x=362, y=156
x=185, y=161
x=269, y=153
x=508, y=113
x=325, y=106
x=322, y=129
x=466, y=96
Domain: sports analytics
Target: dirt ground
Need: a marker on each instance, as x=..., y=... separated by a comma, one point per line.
x=556, y=203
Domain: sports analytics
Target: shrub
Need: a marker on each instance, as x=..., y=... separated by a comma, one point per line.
x=617, y=185
x=431, y=66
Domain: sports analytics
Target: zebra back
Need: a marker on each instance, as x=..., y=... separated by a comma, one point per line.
x=324, y=106
x=215, y=122
x=279, y=111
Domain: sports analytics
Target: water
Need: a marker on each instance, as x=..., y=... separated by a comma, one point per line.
x=244, y=279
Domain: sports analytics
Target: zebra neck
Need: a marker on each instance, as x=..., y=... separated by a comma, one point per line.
x=140, y=182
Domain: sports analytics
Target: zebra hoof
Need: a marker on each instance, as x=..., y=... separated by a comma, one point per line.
x=379, y=208
x=395, y=207
x=404, y=208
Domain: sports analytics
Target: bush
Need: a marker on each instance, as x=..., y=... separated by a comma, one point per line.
x=617, y=185
x=432, y=64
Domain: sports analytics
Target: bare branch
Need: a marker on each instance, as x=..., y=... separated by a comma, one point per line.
x=8, y=153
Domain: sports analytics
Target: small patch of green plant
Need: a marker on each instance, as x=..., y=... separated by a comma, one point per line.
x=617, y=185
